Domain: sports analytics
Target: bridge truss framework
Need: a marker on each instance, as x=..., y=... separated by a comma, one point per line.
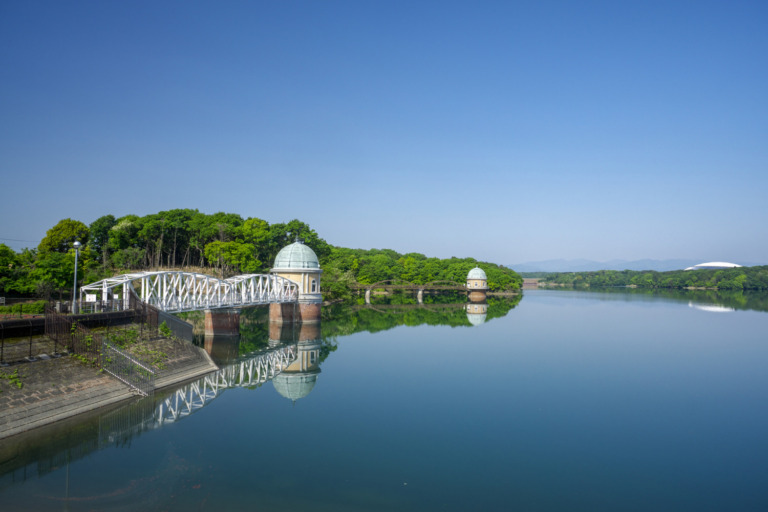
x=175, y=292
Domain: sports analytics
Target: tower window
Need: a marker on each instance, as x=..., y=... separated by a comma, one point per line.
x=314, y=285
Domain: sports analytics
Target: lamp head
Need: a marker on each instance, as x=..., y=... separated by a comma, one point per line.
x=77, y=245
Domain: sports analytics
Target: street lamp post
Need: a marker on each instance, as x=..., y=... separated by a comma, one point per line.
x=74, y=288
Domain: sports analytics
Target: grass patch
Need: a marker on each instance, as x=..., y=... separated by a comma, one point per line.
x=13, y=378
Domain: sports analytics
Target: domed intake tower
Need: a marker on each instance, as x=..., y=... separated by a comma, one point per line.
x=298, y=263
x=477, y=284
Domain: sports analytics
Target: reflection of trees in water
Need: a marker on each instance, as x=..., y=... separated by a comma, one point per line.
x=52, y=448
x=346, y=319
x=254, y=328
x=736, y=299
x=410, y=297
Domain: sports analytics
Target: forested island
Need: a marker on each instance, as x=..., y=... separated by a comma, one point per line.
x=740, y=278
x=221, y=244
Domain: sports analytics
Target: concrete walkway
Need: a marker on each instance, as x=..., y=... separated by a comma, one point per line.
x=57, y=388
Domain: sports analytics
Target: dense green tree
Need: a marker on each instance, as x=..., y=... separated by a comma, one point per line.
x=130, y=258
x=8, y=265
x=283, y=234
x=202, y=232
x=52, y=272
x=232, y=257
x=747, y=278
x=177, y=229
x=229, y=244
x=337, y=284
x=100, y=230
x=256, y=233
x=226, y=225
x=62, y=236
x=124, y=233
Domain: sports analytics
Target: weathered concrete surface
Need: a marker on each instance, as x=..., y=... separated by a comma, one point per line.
x=58, y=388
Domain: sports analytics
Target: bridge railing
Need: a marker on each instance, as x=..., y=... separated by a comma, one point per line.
x=185, y=291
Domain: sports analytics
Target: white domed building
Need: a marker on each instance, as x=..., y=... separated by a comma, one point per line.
x=477, y=284
x=299, y=263
x=713, y=265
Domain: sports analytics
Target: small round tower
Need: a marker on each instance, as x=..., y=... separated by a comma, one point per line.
x=477, y=284
x=298, y=263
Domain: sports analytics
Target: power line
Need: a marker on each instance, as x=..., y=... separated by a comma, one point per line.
x=17, y=240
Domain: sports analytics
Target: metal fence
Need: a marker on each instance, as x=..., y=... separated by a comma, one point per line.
x=127, y=369
x=68, y=334
x=19, y=308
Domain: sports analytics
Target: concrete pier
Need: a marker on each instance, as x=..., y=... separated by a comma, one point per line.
x=301, y=312
x=222, y=322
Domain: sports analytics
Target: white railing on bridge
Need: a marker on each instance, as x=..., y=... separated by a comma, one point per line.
x=250, y=372
x=187, y=291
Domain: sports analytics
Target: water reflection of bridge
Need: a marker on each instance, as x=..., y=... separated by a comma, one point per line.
x=400, y=285
x=447, y=305
x=402, y=307
x=250, y=372
x=44, y=451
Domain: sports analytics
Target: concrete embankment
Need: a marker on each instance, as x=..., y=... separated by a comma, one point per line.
x=54, y=389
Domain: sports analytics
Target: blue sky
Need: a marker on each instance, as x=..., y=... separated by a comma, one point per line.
x=506, y=131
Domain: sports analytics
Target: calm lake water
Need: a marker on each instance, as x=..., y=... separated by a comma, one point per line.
x=564, y=400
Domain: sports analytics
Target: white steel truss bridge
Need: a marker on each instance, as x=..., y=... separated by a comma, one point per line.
x=248, y=373
x=175, y=292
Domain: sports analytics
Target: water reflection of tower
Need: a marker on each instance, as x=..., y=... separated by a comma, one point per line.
x=476, y=312
x=298, y=379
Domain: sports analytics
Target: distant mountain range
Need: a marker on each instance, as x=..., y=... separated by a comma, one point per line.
x=590, y=265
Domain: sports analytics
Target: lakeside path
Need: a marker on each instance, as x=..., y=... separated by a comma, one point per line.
x=54, y=389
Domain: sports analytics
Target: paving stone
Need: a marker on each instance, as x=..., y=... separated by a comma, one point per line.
x=59, y=388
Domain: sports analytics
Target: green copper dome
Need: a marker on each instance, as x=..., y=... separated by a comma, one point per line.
x=476, y=319
x=294, y=386
x=476, y=273
x=296, y=255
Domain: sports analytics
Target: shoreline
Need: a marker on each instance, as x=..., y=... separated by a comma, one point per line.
x=55, y=389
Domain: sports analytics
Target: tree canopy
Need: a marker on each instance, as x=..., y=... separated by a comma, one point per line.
x=62, y=236
x=739, y=278
x=221, y=243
